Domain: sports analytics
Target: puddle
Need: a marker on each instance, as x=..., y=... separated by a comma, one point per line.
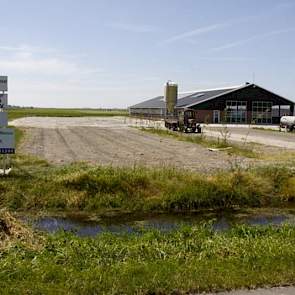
x=82, y=226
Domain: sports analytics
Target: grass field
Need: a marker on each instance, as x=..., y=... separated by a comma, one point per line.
x=191, y=259
x=36, y=185
x=51, y=112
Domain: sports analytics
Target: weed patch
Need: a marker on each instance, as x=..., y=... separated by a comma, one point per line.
x=35, y=185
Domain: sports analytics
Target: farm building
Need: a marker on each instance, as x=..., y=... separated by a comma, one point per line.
x=246, y=104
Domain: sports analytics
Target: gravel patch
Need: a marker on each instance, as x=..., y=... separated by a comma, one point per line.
x=110, y=141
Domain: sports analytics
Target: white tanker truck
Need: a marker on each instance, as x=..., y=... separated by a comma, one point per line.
x=288, y=122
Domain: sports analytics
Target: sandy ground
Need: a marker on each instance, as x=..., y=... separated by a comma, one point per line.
x=272, y=291
x=109, y=141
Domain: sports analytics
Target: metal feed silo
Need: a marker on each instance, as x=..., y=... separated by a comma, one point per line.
x=171, y=92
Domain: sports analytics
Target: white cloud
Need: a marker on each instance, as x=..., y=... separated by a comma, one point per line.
x=134, y=28
x=195, y=32
x=252, y=38
x=187, y=36
x=285, y=5
x=24, y=48
x=28, y=60
x=45, y=77
x=28, y=65
x=227, y=59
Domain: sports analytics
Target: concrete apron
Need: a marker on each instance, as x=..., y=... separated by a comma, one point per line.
x=254, y=138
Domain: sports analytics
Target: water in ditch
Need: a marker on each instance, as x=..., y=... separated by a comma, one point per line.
x=86, y=225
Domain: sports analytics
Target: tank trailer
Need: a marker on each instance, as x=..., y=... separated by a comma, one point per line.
x=288, y=122
x=183, y=120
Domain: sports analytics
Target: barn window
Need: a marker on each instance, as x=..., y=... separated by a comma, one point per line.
x=262, y=112
x=236, y=111
x=281, y=110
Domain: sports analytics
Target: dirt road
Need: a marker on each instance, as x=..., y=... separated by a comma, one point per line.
x=111, y=142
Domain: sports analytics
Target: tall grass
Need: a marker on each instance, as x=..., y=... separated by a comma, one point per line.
x=35, y=185
x=189, y=260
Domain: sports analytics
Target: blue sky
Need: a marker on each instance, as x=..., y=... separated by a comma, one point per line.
x=107, y=53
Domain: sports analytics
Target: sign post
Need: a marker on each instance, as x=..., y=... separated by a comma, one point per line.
x=3, y=101
x=7, y=136
x=7, y=141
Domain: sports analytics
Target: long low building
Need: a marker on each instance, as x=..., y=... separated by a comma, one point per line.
x=248, y=104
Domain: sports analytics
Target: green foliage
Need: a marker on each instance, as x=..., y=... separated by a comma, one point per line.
x=34, y=184
x=52, y=112
x=191, y=259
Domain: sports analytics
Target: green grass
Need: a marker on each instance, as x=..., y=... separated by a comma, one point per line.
x=54, y=112
x=35, y=185
x=245, y=150
x=191, y=259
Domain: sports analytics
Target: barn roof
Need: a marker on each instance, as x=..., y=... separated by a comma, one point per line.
x=188, y=99
x=185, y=98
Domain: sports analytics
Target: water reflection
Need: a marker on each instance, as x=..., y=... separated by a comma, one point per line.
x=163, y=222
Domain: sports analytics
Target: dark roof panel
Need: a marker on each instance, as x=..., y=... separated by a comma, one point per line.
x=184, y=99
x=189, y=99
x=200, y=96
x=154, y=103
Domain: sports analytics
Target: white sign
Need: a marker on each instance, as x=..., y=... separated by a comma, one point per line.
x=3, y=101
x=3, y=83
x=7, y=141
x=3, y=119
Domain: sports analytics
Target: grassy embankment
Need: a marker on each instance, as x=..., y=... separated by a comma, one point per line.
x=245, y=149
x=54, y=112
x=36, y=185
x=191, y=259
